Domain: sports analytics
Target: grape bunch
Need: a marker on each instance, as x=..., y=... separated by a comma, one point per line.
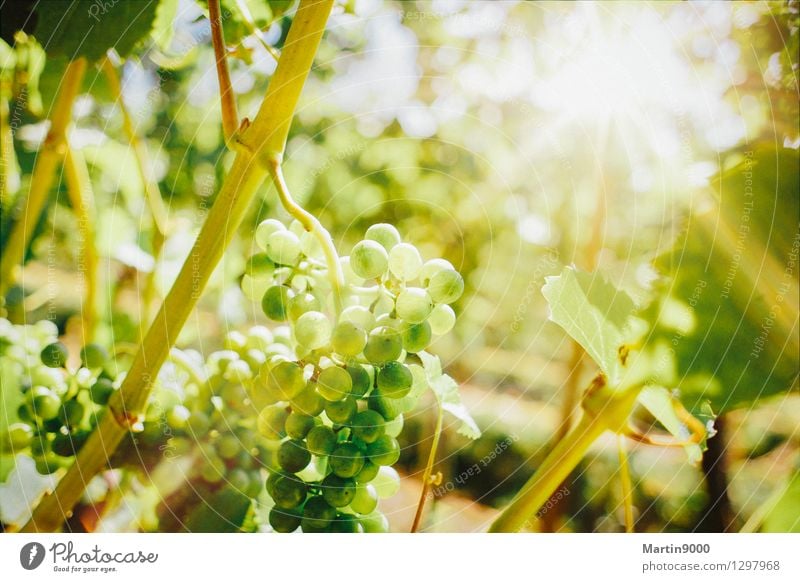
x=333, y=389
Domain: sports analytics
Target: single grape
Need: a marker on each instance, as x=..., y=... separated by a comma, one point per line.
x=54, y=355
x=359, y=315
x=302, y=303
x=101, y=391
x=346, y=523
x=67, y=445
x=365, y=499
x=298, y=425
x=199, y=423
x=283, y=247
x=347, y=460
x=284, y=520
x=360, y=379
x=308, y=402
x=259, y=337
x=293, y=456
x=442, y=319
x=369, y=259
x=384, y=344
x=334, y=383
x=338, y=492
x=275, y=302
x=388, y=408
x=312, y=330
x=271, y=422
x=288, y=491
x=430, y=268
x=265, y=229
x=368, y=472
x=446, y=286
x=259, y=266
x=414, y=305
x=384, y=234
x=44, y=403
x=342, y=411
x=317, y=515
x=395, y=426
x=286, y=378
x=228, y=446
x=94, y=356
x=416, y=336
x=374, y=523
x=19, y=436
x=384, y=451
x=368, y=426
x=348, y=339
x=321, y=440
x=71, y=413
x=387, y=482
x=405, y=262
x=395, y=380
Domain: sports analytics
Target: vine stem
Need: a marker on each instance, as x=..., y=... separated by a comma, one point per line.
x=604, y=410
x=230, y=117
x=79, y=190
x=254, y=30
x=47, y=160
x=266, y=136
x=426, y=477
x=314, y=226
x=625, y=481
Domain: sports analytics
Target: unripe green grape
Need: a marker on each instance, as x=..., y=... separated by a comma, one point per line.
x=446, y=286
x=383, y=345
x=395, y=426
x=302, y=303
x=387, y=482
x=293, y=456
x=310, y=245
x=414, y=305
x=71, y=413
x=365, y=499
x=369, y=259
x=348, y=339
x=343, y=411
x=298, y=425
x=259, y=337
x=284, y=520
x=395, y=380
x=312, y=330
x=416, y=336
x=317, y=515
x=368, y=472
x=48, y=464
x=67, y=445
x=308, y=402
x=360, y=379
x=94, y=356
x=271, y=422
x=374, y=523
x=359, y=315
x=238, y=480
x=442, y=319
x=347, y=270
x=238, y=371
x=334, y=383
x=388, y=408
x=346, y=460
x=54, y=355
x=384, y=234
x=297, y=227
x=384, y=451
x=199, y=423
x=430, y=268
x=405, y=262
x=287, y=379
x=383, y=305
x=321, y=440
x=288, y=491
x=44, y=403
x=234, y=341
x=275, y=302
x=18, y=436
x=265, y=229
x=254, y=288
x=368, y=426
x=213, y=469
x=228, y=446
x=338, y=492
x=346, y=523
x=259, y=266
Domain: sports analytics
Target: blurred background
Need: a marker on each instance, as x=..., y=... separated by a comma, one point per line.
x=510, y=138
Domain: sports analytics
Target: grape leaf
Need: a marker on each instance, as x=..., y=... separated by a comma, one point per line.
x=595, y=314
x=446, y=391
x=729, y=309
x=163, y=25
x=658, y=402
x=226, y=511
x=88, y=28
x=783, y=517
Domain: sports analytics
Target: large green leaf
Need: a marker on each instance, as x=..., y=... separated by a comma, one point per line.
x=729, y=309
x=446, y=391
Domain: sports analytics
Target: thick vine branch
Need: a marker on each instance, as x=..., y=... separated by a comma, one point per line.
x=267, y=135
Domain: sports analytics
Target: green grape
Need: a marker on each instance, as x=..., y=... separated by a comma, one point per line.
x=312, y=330
x=359, y=315
x=405, y=262
x=338, y=492
x=365, y=499
x=293, y=456
x=384, y=234
x=235, y=342
x=271, y=422
x=317, y=515
x=71, y=413
x=374, y=523
x=346, y=460
x=213, y=470
x=44, y=403
x=384, y=344
x=259, y=337
x=275, y=302
x=446, y=286
x=199, y=423
x=48, y=464
x=283, y=247
x=389, y=408
x=346, y=523
x=302, y=303
x=260, y=267
x=368, y=426
x=348, y=339
x=334, y=383
x=430, y=268
x=369, y=259
x=442, y=319
x=288, y=491
x=19, y=436
x=254, y=288
x=387, y=482
x=298, y=425
x=228, y=446
x=265, y=229
x=416, y=336
x=239, y=480
x=237, y=371
x=67, y=445
x=368, y=472
x=308, y=402
x=284, y=520
x=286, y=379
x=360, y=380
x=414, y=305
x=395, y=380
x=342, y=411
x=321, y=440
x=384, y=451
x=395, y=426
x=40, y=444
x=54, y=355
x=94, y=356
x=101, y=391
